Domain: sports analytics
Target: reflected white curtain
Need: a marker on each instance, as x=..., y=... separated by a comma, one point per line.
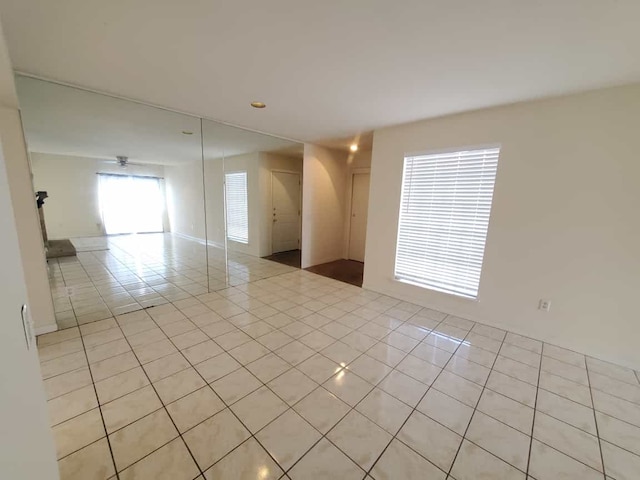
x=131, y=204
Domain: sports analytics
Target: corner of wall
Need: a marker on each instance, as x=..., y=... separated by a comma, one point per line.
x=34, y=261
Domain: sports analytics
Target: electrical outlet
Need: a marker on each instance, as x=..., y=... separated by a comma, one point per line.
x=544, y=304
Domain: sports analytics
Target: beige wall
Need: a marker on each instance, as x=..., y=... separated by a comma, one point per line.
x=564, y=223
x=73, y=209
x=185, y=200
x=27, y=222
x=185, y=203
x=323, y=205
x=26, y=443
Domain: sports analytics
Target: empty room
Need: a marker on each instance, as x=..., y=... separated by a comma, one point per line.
x=331, y=240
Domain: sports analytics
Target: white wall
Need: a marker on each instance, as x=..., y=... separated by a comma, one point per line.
x=73, y=207
x=564, y=224
x=323, y=205
x=268, y=163
x=26, y=443
x=214, y=175
x=185, y=206
x=185, y=201
x=27, y=222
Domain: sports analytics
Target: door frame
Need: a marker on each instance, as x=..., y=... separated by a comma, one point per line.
x=352, y=173
x=292, y=172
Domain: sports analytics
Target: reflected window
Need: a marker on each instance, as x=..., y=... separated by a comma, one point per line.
x=236, y=207
x=131, y=204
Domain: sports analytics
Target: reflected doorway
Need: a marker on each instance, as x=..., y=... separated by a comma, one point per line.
x=359, y=212
x=285, y=200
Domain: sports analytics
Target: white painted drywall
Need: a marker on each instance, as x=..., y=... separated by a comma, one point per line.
x=27, y=221
x=564, y=223
x=214, y=194
x=185, y=203
x=268, y=163
x=73, y=207
x=26, y=443
x=185, y=200
x=323, y=205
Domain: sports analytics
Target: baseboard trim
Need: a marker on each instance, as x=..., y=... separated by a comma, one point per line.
x=197, y=239
x=46, y=329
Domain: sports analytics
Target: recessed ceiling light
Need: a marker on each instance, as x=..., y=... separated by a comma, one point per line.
x=187, y=132
x=258, y=105
x=353, y=147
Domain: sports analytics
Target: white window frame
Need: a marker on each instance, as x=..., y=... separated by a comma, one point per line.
x=467, y=292
x=232, y=225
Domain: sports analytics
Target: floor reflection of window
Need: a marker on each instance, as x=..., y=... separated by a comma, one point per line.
x=236, y=204
x=131, y=204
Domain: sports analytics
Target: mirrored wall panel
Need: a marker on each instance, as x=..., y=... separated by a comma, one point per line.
x=253, y=185
x=120, y=196
x=140, y=206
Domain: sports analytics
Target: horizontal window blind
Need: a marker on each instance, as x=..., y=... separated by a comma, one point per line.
x=444, y=217
x=236, y=206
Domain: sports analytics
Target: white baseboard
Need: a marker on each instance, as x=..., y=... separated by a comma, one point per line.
x=197, y=239
x=46, y=329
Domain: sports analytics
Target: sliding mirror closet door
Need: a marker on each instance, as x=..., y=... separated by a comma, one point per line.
x=253, y=183
x=121, y=200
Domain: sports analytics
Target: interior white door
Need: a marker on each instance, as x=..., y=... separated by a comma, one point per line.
x=26, y=442
x=359, y=210
x=285, y=191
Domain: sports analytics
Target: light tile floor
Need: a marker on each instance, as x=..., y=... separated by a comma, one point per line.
x=291, y=375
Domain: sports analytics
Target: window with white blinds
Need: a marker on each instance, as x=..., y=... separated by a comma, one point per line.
x=236, y=205
x=444, y=217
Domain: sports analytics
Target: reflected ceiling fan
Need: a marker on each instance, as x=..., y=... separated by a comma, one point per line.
x=122, y=161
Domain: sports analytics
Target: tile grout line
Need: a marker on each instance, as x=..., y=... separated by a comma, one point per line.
x=335, y=340
x=535, y=410
x=380, y=341
x=95, y=392
x=415, y=408
x=464, y=435
x=361, y=353
x=351, y=408
x=224, y=403
x=595, y=420
x=163, y=407
x=318, y=386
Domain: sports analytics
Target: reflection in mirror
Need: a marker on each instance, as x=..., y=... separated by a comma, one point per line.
x=253, y=188
x=123, y=213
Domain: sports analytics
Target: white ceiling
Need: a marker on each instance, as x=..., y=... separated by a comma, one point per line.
x=70, y=121
x=327, y=69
